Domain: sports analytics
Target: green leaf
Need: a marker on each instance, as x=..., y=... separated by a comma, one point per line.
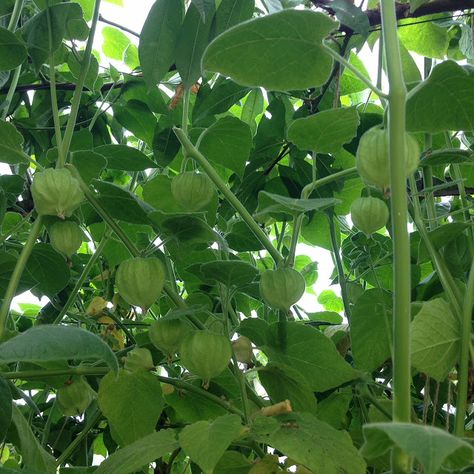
x=222, y=96
x=115, y=43
x=233, y=462
x=371, y=329
x=232, y=273
x=205, y=442
x=122, y=157
x=12, y=50
x=282, y=51
x=252, y=108
x=415, y=4
x=282, y=382
x=192, y=41
x=36, y=31
x=131, y=396
x=48, y=268
x=349, y=82
x=444, y=101
x=133, y=457
x=206, y=8
x=325, y=132
x=89, y=164
x=425, y=38
x=440, y=237
x=165, y=146
x=274, y=204
x=158, y=38
x=6, y=409
x=431, y=446
x=232, y=12
x=48, y=343
x=11, y=141
x=33, y=455
x=121, y=203
x=227, y=143
x=7, y=266
x=138, y=118
x=74, y=62
x=353, y=17
x=435, y=338
x=323, y=367
x=310, y=442
x=241, y=240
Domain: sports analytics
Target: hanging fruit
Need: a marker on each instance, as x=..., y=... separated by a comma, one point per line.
x=369, y=214
x=66, y=237
x=193, y=191
x=282, y=288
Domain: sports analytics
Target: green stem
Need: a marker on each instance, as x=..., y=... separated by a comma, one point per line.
x=199, y=391
x=91, y=422
x=99, y=109
x=340, y=269
x=282, y=329
x=463, y=376
x=76, y=98
x=172, y=295
x=82, y=278
x=354, y=70
x=17, y=272
x=309, y=188
x=35, y=374
x=444, y=275
x=54, y=96
x=192, y=152
x=15, y=15
x=401, y=462
x=11, y=92
x=290, y=259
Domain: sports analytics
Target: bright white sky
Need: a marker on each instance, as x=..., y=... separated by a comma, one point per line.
x=133, y=15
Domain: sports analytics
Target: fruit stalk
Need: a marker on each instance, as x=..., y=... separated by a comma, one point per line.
x=17, y=272
x=401, y=462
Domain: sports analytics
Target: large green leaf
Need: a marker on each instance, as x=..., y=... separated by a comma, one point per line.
x=115, y=43
x=232, y=12
x=121, y=203
x=312, y=354
x=310, y=442
x=444, y=101
x=33, y=455
x=230, y=273
x=281, y=52
x=132, y=403
x=371, y=329
x=426, y=38
x=36, y=31
x=435, y=338
x=47, y=343
x=145, y=450
x=121, y=157
x=431, y=446
x=192, y=41
x=325, y=132
x=12, y=50
x=205, y=442
x=282, y=382
x=350, y=15
x=158, y=39
x=11, y=141
x=138, y=118
x=227, y=143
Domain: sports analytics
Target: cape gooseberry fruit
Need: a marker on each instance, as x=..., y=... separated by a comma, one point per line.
x=56, y=193
x=140, y=281
x=369, y=214
x=75, y=396
x=242, y=347
x=372, y=157
x=66, y=237
x=138, y=360
x=282, y=288
x=167, y=334
x=193, y=191
x=205, y=354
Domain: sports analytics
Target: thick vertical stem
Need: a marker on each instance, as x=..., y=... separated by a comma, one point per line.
x=463, y=376
x=401, y=248
x=76, y=98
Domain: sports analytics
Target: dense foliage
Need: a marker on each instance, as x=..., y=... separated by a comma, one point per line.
x=161, y=212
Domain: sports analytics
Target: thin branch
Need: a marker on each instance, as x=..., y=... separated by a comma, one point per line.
x=120, y=27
